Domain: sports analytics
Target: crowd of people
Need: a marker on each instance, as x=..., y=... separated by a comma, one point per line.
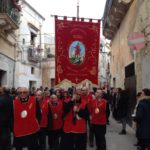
x=141, y=114
x=69, y=118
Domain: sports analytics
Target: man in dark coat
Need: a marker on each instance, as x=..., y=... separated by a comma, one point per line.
x=122, y=100
x=6, y=106
x=143, y=119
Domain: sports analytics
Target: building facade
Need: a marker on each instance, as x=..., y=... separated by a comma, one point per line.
x=128, y=68
x=122, y=19
x=30, y=48
x=104, y=61
x=48, y=65
x=9, y=23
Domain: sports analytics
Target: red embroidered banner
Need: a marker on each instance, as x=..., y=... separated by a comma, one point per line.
x=77, y=50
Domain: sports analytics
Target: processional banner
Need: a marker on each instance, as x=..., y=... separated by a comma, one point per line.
x=77, y=50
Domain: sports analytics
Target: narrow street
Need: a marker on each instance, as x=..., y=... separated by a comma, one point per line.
x=62, y=61
x=120, y=142
x=116, y=141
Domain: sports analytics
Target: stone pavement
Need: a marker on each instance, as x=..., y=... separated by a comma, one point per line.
x=116, y=141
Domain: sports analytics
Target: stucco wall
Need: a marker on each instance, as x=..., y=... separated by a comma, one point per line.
x=136, y=20
x=143, y=56
x=7, y=59
x=23, y=65
x=7, y=46
x=7, y=65
x=146, y=71
x=23, y=75
x=121, y=55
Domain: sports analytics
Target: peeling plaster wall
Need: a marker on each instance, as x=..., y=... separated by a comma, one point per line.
x=143, y=56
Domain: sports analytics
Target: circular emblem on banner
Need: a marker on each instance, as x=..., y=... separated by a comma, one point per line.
x=76, y=52
x=24, y=114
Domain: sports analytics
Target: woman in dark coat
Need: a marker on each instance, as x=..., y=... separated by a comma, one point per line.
x=143, y=119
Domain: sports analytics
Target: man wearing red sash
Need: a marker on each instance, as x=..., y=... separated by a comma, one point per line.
x=99, y=113
x=75, y=123
x=56, y=107
x=26, y=119
x=87, y=96
x=45, y=120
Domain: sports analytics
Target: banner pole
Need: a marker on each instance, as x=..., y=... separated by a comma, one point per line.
x=77, y=9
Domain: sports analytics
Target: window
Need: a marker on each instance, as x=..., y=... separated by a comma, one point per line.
x=23, y=41
x=33, y=36
x=32, y=70
x=52, y=83
x=33, y=33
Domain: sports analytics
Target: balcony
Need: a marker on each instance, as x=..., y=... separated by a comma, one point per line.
x=114, y=13
x=9, y=16
x=34, y=54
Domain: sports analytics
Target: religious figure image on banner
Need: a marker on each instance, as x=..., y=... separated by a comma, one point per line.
x=76, y=52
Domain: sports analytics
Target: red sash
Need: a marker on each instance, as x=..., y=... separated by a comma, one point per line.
x=79, y=126
x=44, y=112
x=89, y=99
x=57, y=112
x=98, y=112
x=25, y=122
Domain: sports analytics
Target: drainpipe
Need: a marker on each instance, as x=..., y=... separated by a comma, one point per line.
x=14, y=68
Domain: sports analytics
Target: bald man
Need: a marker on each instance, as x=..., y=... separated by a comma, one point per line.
x=56, y=107
x=45, y=120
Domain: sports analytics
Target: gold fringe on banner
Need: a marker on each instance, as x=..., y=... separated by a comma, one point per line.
x=67, y=83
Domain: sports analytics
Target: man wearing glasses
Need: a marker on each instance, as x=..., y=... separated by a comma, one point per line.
x=26, y=118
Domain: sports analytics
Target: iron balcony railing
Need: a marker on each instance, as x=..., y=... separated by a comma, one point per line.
x=34, y=54
x=7, y=7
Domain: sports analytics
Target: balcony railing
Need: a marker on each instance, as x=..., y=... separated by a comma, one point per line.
x=114, y=13
x=9, y=15
x=34, y=54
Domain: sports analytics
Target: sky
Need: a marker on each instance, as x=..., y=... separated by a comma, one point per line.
x=87, y=9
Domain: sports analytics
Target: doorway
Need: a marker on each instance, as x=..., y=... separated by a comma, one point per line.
x=3, y=77
x=32, y=84
x=130, y=86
